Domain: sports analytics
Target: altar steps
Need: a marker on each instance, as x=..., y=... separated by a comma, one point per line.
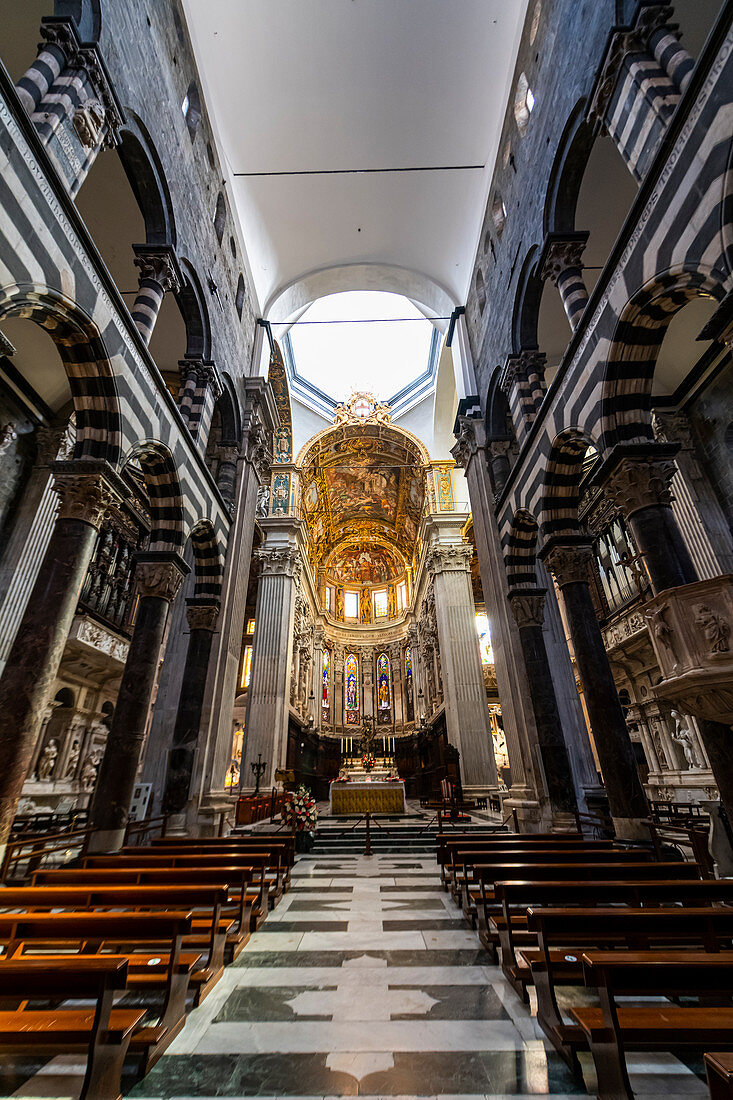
x=338, y=836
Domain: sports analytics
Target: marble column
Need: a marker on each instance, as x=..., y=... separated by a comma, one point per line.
x=671, y=55
x=528, y=608
x=523, y=382
x=202, y=619
x=266, y=726
x=569, y=563
x=498, y=457
x=86, y=490
x=316, y=685
x=464, y=692
x=228, y=455
x=636, y=717
x=158, y=578
x=396, y=662
x=561, y=264
x=199, y=390
x=53, y=53
x=527, y=794
x=159, y=273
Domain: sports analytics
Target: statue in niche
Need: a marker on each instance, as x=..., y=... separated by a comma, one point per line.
x=684, y=738
x=366, y=606
x=89, y=769
x=660, y=629
x=48, y=761
x=8, y=435
x=715, y=629
x=340, y=604
x=392, y=602
x=73, y=761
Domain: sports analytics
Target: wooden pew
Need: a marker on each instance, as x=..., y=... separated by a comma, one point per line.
x=563, y=934
x=612, y=1028
x=139, y=937
x=282, y=843
x=80, y=890
x=450, y=865
x=466, y=890
x=492, y=878
x=266, y=863
x=491, y=841
x=102, y=1032
x=719, y=1067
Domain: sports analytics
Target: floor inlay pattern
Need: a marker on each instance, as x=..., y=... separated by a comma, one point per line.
x=366, y=983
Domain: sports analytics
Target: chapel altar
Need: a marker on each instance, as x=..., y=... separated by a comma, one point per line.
x=361, y=789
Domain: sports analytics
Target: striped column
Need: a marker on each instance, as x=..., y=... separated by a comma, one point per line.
x=198, y=393
x=158, y=274
x=671, y=56
x=562, y=265
x=226, y=475
x=37, y=81
x=523, y=382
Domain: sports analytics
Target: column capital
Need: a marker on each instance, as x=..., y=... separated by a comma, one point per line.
x=202, y=616
x=454, y=558
x=101, y=110
x=673, y=428
x=470, y=438
x=499, y=448
x=87, y=490
x=160, y=574
x=528, y=606
x=159, y=263
x=283, y=561
x=569, y=562
x=560, y=253
x=228, y=452
x=637, y=483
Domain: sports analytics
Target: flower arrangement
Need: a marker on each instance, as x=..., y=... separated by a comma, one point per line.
x=367, y=761
x=300, y=811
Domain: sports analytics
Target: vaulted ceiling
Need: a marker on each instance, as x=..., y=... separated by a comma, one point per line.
x=359, y=137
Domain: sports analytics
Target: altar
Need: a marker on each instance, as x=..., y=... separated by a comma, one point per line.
x=367, y=796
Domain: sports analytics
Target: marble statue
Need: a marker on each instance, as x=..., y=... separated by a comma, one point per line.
x=48, y=761
x=684, y=738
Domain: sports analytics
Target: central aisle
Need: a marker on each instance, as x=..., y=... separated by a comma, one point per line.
x=363, y=981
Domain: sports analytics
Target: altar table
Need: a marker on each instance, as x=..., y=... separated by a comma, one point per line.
x=375, y=798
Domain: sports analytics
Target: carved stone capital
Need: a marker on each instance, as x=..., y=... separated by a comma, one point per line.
x=279, y=561
x=569, y=563
x=259, y=449
x=672, y=428
x=160, y=575
x=202, y=616
x=499, y=448
x=512, y=374
x=85, y=496
x=441, y=559
x=466, y=445
x=637, y=483
x=158, y=265
x=560, y=255
x=528, y=608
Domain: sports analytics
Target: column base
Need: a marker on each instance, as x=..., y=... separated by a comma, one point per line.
x=106, y=840
x=632, y=828
x=531, y=816
x=563, y=822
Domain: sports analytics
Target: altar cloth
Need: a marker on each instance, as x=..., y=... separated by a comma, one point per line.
x=376, y=798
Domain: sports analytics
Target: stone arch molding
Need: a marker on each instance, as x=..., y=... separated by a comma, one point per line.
x=82, y=350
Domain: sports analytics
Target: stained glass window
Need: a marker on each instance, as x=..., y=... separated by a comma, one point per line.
x=383, y=688
x=351, y=689
x=325, y=684
x=408, y=686
x=246, y=667
x=484, y=638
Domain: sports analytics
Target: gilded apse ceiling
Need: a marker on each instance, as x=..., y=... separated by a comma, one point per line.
x=362, y=485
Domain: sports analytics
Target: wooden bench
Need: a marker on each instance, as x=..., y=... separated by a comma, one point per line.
x=102, y=1032
x=492, y=841
x=80, y=890
x=720, y=1075
x=563, y=934
x=611, y=1029
x=449, y=862
x=489, y=903
x=151, y=943
x=466, y=887
x=282, y=843
x=267, y=863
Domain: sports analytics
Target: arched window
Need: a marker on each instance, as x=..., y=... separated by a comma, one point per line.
x=239, y=299
x=191, y=108
x=523, y=103
x=351, y=689
x=498, y=213
x=480, y=290
x=384, y=695
x=326, y=684
x=409, y=696
x=220, y=217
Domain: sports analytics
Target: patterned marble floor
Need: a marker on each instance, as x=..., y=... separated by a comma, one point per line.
x=363, y=982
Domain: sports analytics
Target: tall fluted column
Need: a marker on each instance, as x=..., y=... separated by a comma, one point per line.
x=569, y=563
x=523, y=382
x=202, y=621
x=527, y=791
x=464, y=692
x=395, y=662
x=266, y=726
x=159, y=273
x=562, y=265
x=158, y=577
x=528, y=608
x=86, y=490
x=316, y=685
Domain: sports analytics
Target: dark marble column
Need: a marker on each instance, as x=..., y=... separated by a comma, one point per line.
x=523, y=382
x=528, y=608
x=86, y=489
x=158, y=577
x=498, y=452
x=159, y=273
x=202, y=621
x=640, y=489
x=569, y=563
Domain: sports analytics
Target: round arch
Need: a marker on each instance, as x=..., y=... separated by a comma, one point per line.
x=164, y=494
x=561, y=484
x=520, y=554
x=208, y=562
x=147, y=180
x=84, y=355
